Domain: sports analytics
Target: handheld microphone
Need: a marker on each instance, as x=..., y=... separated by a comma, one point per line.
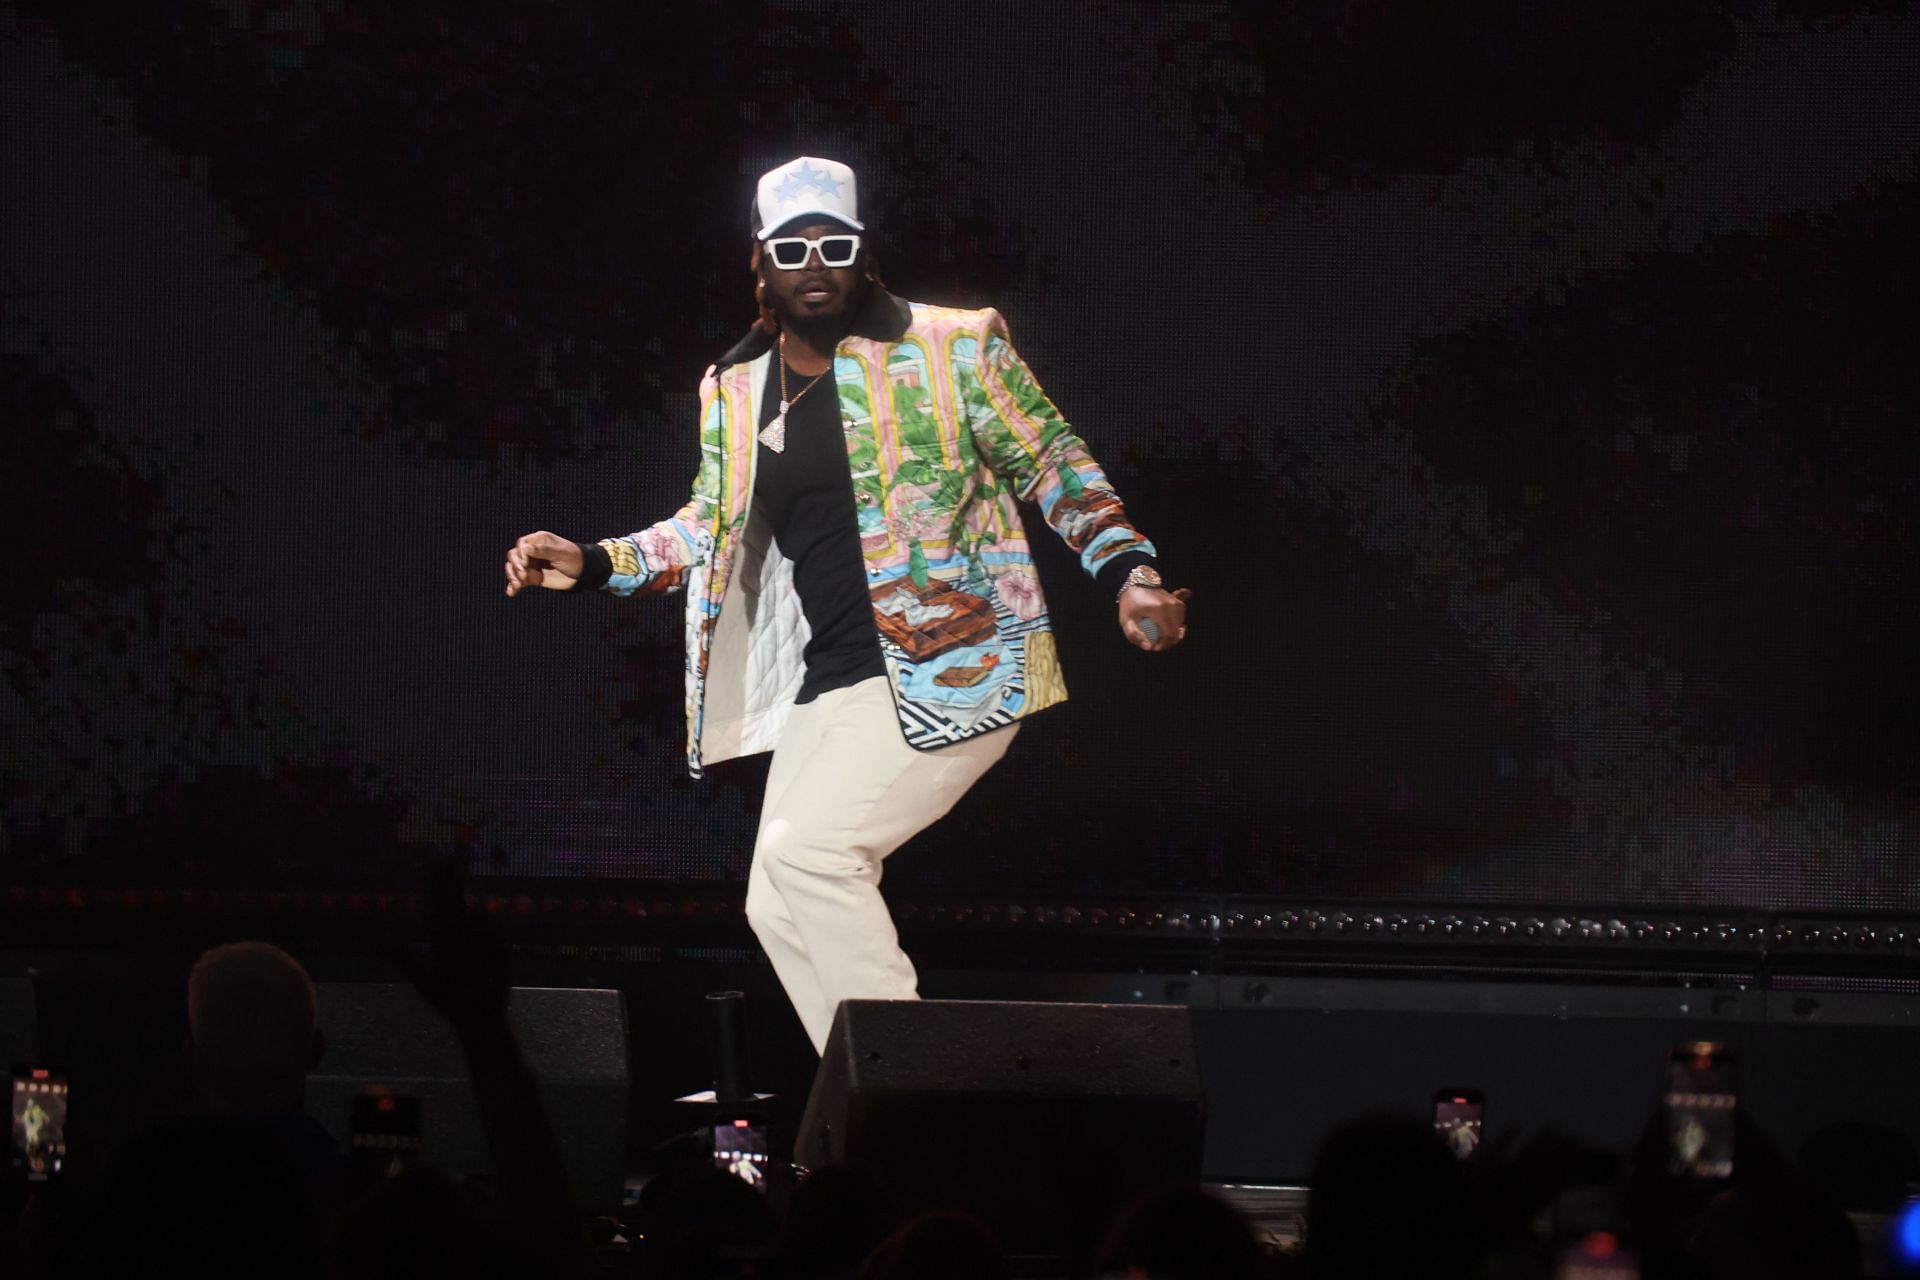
x=1149, y=629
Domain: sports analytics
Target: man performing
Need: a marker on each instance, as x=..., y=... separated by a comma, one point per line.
x=860, y=596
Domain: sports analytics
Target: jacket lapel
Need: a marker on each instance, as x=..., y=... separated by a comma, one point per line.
x=745, y=437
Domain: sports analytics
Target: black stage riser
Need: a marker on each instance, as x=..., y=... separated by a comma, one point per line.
x=1280, y=1072
x=1286, y=1059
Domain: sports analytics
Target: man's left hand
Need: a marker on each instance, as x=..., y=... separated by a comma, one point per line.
x=1165, y=610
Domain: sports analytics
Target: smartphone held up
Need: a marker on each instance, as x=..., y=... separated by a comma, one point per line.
x=39, y=1116
x=385, y=1137
x=1460, y=1120
x=1699, y=1111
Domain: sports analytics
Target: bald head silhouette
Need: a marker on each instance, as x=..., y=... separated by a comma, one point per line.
x=252, y=1036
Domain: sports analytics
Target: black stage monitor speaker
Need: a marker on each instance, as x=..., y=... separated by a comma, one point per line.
x=575, y=1041
x=1039, y=1118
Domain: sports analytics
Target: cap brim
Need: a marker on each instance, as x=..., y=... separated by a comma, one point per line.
x=810, y=215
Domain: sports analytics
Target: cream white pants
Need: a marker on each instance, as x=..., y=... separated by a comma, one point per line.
x=844, y=791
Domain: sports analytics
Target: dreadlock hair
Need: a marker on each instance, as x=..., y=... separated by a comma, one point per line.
x=769, y=323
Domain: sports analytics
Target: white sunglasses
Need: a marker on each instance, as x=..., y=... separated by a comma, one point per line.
x=790, y=253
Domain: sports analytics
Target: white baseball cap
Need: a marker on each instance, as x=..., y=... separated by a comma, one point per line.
x=807, y=185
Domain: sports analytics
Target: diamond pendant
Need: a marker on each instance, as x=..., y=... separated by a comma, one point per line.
x=775, y=436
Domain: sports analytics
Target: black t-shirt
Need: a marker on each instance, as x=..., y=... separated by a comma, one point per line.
x=806, y=493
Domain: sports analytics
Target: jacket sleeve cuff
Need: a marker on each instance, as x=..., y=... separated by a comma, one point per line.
x=598, y=567
x=1115, y=571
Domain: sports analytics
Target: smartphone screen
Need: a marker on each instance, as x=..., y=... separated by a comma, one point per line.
x=386, y=1130
x=740, y=1147
x=1459, y=1119
x=39, y=1114
x=1699, y=1111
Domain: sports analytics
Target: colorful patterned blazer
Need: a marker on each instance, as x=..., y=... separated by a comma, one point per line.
x=945, y=429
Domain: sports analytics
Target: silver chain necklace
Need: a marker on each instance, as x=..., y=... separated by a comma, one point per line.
x=775, y=436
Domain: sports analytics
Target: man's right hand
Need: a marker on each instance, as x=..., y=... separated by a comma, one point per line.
x=544, y=560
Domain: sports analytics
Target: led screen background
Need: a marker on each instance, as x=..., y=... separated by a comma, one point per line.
x=1527, y=396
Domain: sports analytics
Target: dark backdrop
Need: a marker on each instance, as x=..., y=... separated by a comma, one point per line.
x=1525, y=389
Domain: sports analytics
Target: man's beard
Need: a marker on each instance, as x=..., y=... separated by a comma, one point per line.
x=821, y=332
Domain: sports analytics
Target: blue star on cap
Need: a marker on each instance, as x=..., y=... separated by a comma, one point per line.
x=826, y=183
x=808, y=176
